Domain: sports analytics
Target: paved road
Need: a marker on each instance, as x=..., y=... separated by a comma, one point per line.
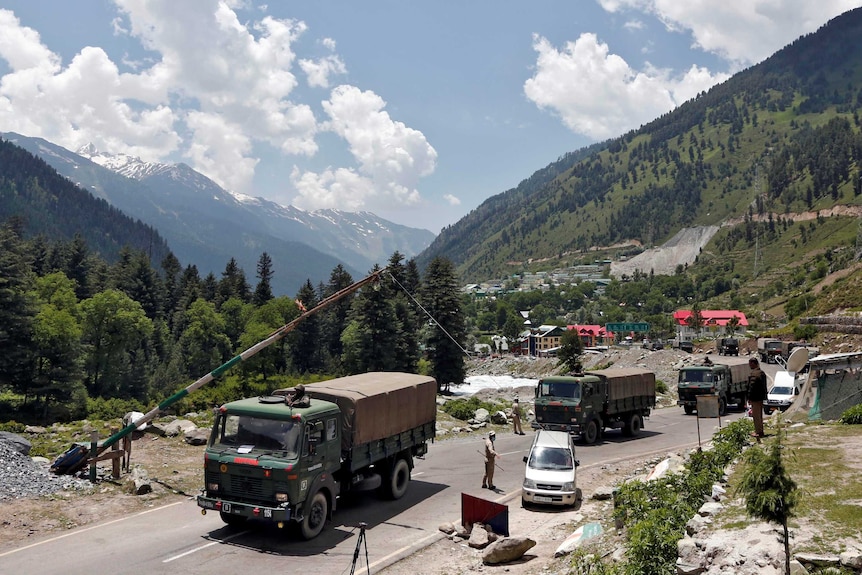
x=175, y=538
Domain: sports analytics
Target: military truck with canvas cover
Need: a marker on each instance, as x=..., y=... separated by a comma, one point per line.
x=728, y=382
x=279, y=459
x=590, y=402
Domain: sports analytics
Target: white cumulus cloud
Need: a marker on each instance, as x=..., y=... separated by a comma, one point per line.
x=742, y=31
x=391, y=157
x=597, y=93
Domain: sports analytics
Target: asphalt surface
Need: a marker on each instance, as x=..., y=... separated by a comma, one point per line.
x=176, y=538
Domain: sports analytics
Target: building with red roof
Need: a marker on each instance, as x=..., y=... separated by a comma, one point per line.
x=592, y=335
x=714, y=323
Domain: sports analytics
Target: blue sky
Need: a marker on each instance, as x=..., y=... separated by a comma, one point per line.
x=416, y=111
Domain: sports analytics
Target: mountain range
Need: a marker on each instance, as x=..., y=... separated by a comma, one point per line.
x=206, y=225
x=777, y=142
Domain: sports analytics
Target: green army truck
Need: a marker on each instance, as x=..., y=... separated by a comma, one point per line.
x=728, y=382
x=586, y=404
x=284, y=458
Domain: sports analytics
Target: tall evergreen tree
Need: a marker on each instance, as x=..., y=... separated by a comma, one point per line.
x=334, y=317
x=445, y=341
x=304, y=344
x=77, y=266
x=171, y=291
x=406, y=327
x=369, y=339
x=233, y=284
x=16, y=312
x=263, y=290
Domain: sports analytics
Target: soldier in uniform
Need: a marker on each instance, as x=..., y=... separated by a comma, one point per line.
x=756, y=395
x=490, y=461
x=516, y=416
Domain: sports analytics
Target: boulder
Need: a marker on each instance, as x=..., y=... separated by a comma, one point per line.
x=499, y=418
x=178, y=426
x=157, y=428
x=852, y=559
x=603, y=493
x=697, y=524
x=796, y=568
x=35, y=429
x=447, y=528
x=818, y=560
x=478, y=537
x=481, y=415
x=710, y=509
x=506, y=550
x=20, y=444
x=138, y=482
x=197, y=436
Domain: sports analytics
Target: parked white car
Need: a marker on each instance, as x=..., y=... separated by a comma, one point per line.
x=784, y=391
x=549, y=476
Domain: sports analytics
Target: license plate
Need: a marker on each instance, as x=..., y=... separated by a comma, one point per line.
x=206, y=504
x=542, y=499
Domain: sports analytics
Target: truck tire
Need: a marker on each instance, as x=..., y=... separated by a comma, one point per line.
x=722, y=406
x=591, y=432
x=399, y=479
x=689, y=409
x=315, y=516
x=634, y=424
x=235, y=521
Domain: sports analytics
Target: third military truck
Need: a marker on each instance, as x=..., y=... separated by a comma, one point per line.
x=587, y=403
x=288, y=457
x=728, y=382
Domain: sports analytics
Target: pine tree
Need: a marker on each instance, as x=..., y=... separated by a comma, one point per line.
x=444, y=344
x=334, y=318
x=369, y=339
x=16, y=313
x=233, y=284
x=304, y=344
x=406, y=327
x=263, y=291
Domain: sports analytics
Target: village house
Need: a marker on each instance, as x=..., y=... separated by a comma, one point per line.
x=714, y=324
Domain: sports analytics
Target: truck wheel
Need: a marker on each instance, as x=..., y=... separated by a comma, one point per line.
x=399, y=479
x=722, y=406
x=635, y=424
x=232, y=520
x=315, y=516
x=591, y=433
x=689, y=409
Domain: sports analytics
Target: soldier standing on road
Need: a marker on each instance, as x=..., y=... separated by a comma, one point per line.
x=756, y=395
x=516, y=416
x=490, y=461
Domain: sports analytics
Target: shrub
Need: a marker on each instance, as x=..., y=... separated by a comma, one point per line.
x=464, y=409
x=852, y=416
x=660, y=386
x=12, y=427
x=114, y=408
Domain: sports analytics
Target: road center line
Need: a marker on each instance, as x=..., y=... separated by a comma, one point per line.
x=85, y=529
x=195, y=550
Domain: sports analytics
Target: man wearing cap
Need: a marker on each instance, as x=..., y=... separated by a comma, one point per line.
x=516, y=416
x=756, y=395
x=490, y=461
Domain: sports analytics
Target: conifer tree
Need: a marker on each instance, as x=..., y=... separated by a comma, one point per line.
x=445, y=341
x=334, y=317
x=304, y=344
x=263, y=290
x=16, y=313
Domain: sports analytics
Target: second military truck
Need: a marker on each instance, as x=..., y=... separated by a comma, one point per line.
x=587, y=403
x=728, y=382
x=288, y=457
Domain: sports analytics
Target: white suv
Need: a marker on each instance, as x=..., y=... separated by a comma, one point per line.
x=549, y=476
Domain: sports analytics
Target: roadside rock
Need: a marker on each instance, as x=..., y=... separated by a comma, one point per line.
x=178, y=427
x=20, y=444
x=506, y=550
x=197, y=436
x=138, y=482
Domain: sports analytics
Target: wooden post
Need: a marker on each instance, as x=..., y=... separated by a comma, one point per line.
x=127, y=449
x=94, y=452
x=115, y=462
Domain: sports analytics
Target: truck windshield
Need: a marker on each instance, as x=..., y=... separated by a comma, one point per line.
x=570, y=390
x=773, y=345
x=246, y=433
x=695, y=376
x=551, y=458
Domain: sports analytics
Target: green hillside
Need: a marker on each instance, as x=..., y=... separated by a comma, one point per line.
x=770, y=145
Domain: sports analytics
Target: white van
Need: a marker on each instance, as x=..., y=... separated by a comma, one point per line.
x=549, y=476
x=783, y=392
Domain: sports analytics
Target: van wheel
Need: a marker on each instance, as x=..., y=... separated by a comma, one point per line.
x=399, y=479
x=591, y=433
x=315, y=516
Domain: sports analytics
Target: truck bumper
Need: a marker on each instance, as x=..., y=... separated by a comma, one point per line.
x=572, y=428
x=247, y=510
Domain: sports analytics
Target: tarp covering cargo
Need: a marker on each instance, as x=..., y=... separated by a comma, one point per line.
x=627, y=382
x=377, y=405
x=739, y=374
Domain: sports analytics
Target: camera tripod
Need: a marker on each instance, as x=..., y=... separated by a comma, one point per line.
x=360, y=542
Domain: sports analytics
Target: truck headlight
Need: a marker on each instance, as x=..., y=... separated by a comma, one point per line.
x=212, y=486
x=281, y=497
x=529, y=484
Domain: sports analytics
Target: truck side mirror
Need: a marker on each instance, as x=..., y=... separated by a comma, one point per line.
x=577, y=462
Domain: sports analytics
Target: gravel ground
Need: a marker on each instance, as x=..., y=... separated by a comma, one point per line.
x=21, y=476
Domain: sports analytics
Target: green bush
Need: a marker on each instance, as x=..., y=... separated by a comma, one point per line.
x=660, y=386
x=12, y=427
x=464, y=409
x=114, y=408
x=655, y=513
x=852, y=416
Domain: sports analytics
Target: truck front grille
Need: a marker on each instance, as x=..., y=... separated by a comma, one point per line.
x=247, y=487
